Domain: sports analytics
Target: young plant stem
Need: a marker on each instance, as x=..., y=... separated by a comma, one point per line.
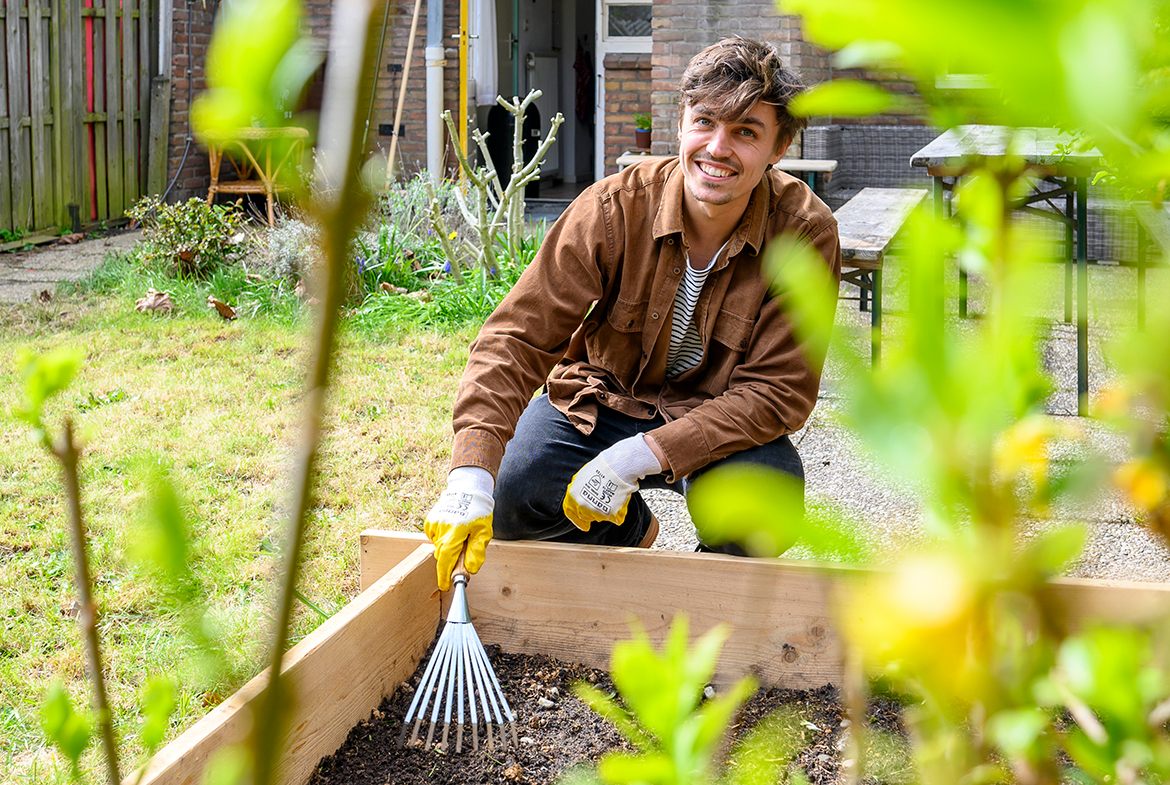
x=339, y=203
x=67, y=455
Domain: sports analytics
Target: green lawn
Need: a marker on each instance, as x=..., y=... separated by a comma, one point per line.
x=215, y=404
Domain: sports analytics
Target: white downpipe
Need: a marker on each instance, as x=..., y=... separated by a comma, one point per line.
x=435, y=62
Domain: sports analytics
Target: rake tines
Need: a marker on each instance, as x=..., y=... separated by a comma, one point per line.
x=459, y=670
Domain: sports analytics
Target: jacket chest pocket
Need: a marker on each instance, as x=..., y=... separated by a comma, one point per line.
x=733, y=331
x=627, y=317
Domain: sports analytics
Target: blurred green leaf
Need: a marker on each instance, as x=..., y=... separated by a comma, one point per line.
x=67, y=729
x=160, y=543
x=1052, y=551
x=256, y=69
x=845, y=98
x=866, y=52
x=228, y=765
x=663, y=691
x=158, y=703
x=1015, y=731
x=763, y=510
x=45, y=376
x=609, y=710
x=805, y=289
x=652, y=768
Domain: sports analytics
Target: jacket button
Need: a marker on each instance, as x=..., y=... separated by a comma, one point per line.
x=670, y=241
x=631, y=324
x=677, y=270
x=743, y=344
x=654, y=315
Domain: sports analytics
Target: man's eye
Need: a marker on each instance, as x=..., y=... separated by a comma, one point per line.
x=748, y=133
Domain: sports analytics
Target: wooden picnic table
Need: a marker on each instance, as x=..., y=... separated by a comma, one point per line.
x=257, y=174
x=1057, y=174
x=809, y=169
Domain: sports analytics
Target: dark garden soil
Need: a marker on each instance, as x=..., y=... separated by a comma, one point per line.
x=558, y=732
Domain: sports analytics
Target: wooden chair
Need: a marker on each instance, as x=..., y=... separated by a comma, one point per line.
x=257, y=175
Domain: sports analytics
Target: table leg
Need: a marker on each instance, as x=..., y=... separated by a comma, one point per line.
x=938, y=196
x=1141, y=276
x=1068, y=256
x=875, y=320
x=1082, y=297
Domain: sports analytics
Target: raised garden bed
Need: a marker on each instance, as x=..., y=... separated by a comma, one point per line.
x=571, y=603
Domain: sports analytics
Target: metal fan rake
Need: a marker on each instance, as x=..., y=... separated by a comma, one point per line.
x=459, y=681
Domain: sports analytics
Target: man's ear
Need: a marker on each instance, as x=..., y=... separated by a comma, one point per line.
x=781, y=151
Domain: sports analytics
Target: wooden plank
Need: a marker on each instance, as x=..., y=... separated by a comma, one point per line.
x=145, y=95
x=42, y=183
x=98, y=59
x=113, y=109
x=160, y=124
x=75, y=139
x=60, y=139
x=129, y=101
x=573, y=602
x=6, y=132
x=20, y=164
x=868, y=222
x=339, y=673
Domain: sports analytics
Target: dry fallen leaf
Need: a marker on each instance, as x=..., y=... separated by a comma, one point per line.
x=154, y=301
x=300, y=291
x=44, y=296
x=391, y=289
x=71, y=239
x=224, y=310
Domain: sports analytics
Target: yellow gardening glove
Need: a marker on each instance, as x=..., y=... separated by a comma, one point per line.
x=461, y=517
x=601, y=489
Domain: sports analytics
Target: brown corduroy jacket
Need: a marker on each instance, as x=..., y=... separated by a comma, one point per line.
x=591, y=315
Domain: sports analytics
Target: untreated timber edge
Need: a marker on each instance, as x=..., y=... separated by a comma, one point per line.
x=338, y=674
x=574, y=601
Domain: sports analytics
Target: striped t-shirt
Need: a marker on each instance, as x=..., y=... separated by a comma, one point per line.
x=686, y=345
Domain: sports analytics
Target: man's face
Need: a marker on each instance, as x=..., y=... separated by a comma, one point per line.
x=723, y=160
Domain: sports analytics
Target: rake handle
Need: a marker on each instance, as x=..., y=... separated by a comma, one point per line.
x=460, y=567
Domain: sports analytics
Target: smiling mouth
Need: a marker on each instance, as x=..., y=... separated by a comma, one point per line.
x=713, y=171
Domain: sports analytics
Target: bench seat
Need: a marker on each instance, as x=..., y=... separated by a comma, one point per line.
x=867, y=225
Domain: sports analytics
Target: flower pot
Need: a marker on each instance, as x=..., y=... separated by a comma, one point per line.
x=642, y=137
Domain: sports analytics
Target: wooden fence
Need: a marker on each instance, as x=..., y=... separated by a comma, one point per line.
x=75, y=78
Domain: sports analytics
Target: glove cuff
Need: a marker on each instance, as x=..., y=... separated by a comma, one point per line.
x=472, y=479
x=632, y=459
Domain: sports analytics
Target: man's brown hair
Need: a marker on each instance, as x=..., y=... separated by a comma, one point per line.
x=728, y=78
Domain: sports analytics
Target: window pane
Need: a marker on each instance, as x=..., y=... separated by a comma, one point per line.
x=629, y=20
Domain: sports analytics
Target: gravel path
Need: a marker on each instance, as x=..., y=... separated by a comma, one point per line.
x=886, y=511
x=25, y=274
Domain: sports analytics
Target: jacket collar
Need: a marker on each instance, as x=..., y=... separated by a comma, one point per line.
x=669, y=217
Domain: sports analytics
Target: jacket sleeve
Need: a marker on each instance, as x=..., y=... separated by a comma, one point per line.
x=770, y=394
x=529, y=331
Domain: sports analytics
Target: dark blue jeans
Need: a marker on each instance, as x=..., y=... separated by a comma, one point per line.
x=541, y=459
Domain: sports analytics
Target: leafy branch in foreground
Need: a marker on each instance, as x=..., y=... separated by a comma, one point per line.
x=44, y=378
x=679, y=736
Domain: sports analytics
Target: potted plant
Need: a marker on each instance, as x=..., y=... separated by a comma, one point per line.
x=642, y=130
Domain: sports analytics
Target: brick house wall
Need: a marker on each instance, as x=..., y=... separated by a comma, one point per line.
x=633, y=83
x=191, y=26
x=683, y=28
x=628, y=90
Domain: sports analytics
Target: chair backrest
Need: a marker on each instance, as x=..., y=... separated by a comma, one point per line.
x=868, y=156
